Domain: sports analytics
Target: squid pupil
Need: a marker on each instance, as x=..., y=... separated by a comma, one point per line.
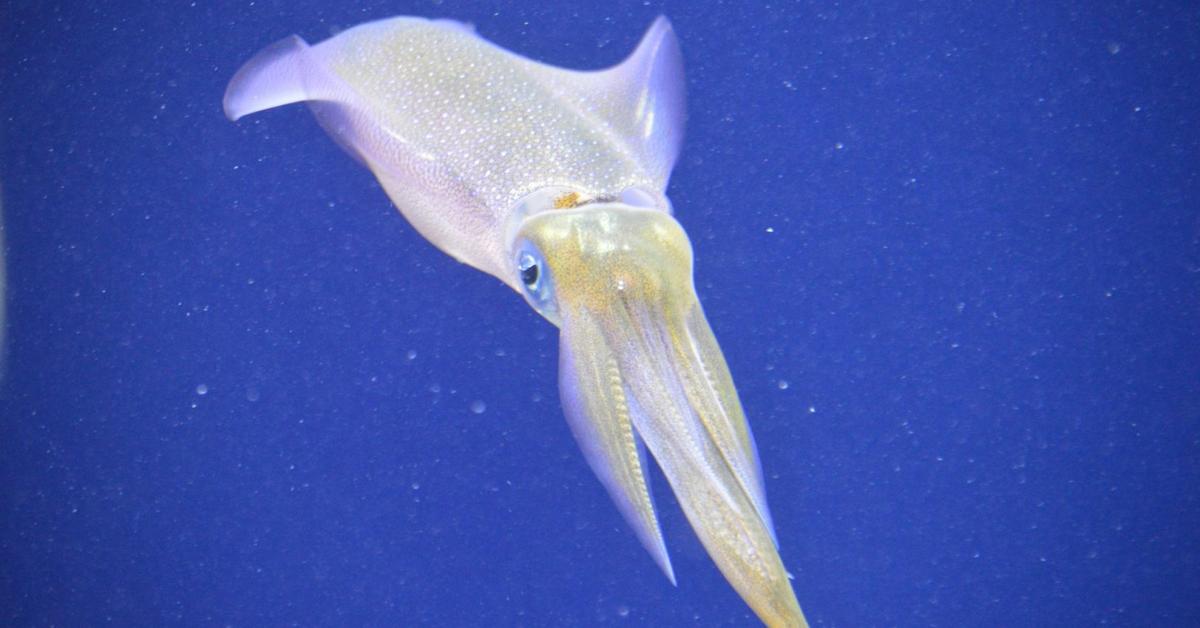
x=529, y=275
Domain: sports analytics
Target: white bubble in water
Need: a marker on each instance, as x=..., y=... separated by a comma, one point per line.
x=478, y=407
x=783, y=384
x=202, y=389
x=412, y=354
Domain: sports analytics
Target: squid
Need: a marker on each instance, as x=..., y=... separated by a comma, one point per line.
x=554, y=181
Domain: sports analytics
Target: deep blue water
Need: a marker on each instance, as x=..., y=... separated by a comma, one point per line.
x=951, y=251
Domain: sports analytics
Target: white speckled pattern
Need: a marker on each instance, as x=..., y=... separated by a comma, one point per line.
x=459, y=130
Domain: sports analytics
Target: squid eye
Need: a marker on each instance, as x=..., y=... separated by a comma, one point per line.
x=536, y=280
x=530, y=272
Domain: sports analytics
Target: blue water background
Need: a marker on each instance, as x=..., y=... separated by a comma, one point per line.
x=950, y=249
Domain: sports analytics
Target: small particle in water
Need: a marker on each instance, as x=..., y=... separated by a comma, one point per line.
x=783, y=384
x=812, y=409
x=416, y=486
x=412, y=354
x=770, y=229
x=202, y=389
x=623, y=611
x=252, y=393
x=839, y=146
x=1113, y=47
x=435, y=388
x=478, y=406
